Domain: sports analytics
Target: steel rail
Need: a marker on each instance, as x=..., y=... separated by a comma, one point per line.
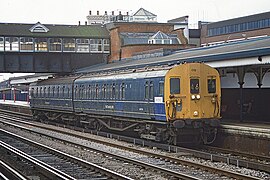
x=48, y=168
x=7, y=172
x=50, y=171
x=169, y=158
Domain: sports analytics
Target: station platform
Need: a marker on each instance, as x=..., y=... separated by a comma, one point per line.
x=15, y=103
x=254, y=129
x=16, y=106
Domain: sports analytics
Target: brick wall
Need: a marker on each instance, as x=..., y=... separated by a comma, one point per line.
x=129, y=50
x=118, y=51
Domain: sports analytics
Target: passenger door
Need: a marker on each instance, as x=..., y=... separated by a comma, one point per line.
x=174, y=104
x=148, y=97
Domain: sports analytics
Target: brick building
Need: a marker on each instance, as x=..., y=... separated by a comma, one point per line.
x=236, y=29
x=130, y=38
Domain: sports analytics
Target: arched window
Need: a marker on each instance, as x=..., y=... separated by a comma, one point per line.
x=122, y=91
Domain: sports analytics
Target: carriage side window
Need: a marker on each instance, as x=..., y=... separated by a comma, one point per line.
x=116, y=91
x=57, y=91
x=53, y=91
x=40, y=92
x=161, y=88
x=113, y=91
x=146, y=91
x=92, y=92
x=104, y=91
x=211, y=85
x=174, y=86
x=37, y=92
x=49, y=92
x=68, y=92
x=194, y=86
x=79, y=92
x=109, y=93
x=76, y=92
x=96, y=92
x=83, y=96
x=63, y=91
x=44, y=92
x=151, y=90
x=122, y=91
x=89, y=92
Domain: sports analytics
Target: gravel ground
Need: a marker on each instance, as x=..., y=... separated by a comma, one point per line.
x=134, y=171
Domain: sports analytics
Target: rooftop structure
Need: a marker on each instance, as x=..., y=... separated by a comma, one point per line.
x=141, y=15
x=236, y=29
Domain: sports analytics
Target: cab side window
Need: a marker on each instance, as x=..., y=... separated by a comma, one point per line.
x=174, y=86
x=211, y=84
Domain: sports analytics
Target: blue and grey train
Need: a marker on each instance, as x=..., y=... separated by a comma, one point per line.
x=171, y=104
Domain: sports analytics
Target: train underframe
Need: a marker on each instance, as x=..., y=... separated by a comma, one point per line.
x=190, y=132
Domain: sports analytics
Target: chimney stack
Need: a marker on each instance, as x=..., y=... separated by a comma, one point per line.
x=113, y=13
x=79, y=23
x=97, y=12
x=90, y=13
x=105, y=12
x=86, y=23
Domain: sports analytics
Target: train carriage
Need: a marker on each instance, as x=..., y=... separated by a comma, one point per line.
x=174, y=103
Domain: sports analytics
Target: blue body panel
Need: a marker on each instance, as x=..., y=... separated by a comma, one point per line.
x=134, y=104
x=130, y=97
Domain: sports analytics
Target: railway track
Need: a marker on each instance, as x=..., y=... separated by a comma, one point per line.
x=165, y=157
x=258, y=162
x=7, y=172
x=56, y=164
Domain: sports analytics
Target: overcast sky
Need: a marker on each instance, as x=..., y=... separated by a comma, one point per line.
x=72, y=11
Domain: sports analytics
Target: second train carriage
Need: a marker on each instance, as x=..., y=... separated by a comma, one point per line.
x=173, y=104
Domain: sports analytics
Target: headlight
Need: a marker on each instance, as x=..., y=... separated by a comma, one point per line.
x=193, y=97
x=195, y=113
x=198, y=96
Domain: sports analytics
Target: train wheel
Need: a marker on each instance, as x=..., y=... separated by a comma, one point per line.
x=209, y=135
x=97, y=125
x=170, y=137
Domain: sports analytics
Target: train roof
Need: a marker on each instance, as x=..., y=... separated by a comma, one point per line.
x=57, y=80
x=233, y=50
x=130, y=75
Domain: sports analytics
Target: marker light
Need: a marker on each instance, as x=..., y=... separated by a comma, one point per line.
x=198, y=96
x=193, y=97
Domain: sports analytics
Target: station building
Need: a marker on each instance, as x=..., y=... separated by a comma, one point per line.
x=237, y=29
x=139, y=35
x=51, y=48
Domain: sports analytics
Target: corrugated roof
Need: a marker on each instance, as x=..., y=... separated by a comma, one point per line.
x=83, y=31
x=243, y=49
